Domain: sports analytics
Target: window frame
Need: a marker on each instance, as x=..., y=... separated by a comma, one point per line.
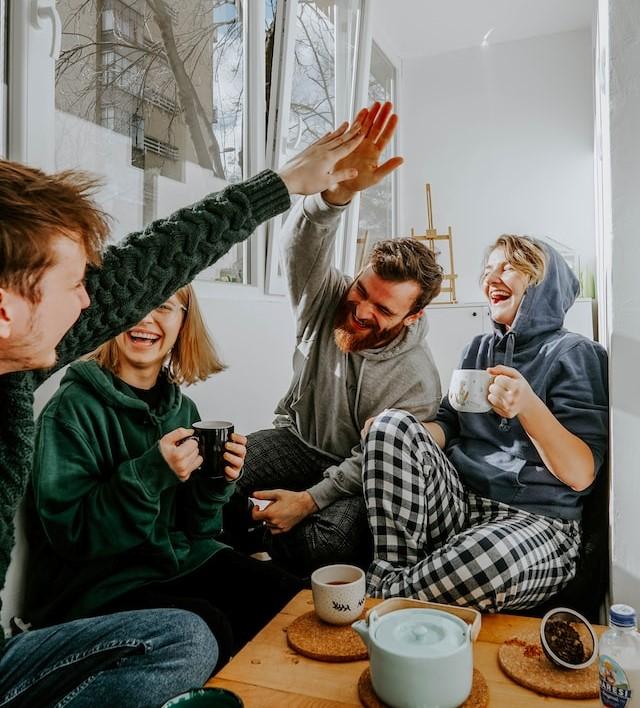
x=279, y=106
x=35, y=45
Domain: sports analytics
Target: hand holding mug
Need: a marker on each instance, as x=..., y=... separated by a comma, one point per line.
x=510, y=394
x=180, y=452
x=235, y=452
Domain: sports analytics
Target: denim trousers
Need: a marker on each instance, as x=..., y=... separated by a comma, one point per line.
x=128, y=659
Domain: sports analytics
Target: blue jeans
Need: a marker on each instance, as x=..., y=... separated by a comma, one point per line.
x=129, y=659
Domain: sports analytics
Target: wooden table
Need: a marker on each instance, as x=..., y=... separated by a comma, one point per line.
x=267, y=674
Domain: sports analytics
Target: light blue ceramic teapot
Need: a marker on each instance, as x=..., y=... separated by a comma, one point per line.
x=419, y=658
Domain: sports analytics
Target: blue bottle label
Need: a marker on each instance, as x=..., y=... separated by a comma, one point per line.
x=615, y=691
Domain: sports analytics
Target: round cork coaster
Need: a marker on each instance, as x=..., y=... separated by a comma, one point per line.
x=478, y=698
x=523, y=660
x=310, y=636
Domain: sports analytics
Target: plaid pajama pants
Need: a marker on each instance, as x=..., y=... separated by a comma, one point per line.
x=435, y=540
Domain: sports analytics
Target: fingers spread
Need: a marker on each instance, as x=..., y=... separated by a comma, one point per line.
x=348, y=147
x=388, y=167
x=387, y=133
x=380, y=121
x=373, y=112
x=333, y=135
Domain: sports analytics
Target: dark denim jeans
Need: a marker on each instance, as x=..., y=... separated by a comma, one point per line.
x=129, y=659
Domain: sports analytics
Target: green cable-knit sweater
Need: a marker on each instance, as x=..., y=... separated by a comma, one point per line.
x=136, y=275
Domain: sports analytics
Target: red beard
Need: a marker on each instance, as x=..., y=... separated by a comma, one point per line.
x=351, y=340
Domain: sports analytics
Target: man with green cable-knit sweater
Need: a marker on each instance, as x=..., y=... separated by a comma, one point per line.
x=50, y=229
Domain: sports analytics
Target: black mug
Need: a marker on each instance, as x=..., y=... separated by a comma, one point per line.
x=212, y=435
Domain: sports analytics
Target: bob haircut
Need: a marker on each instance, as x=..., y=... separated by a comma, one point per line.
x=193, y=357
x=523, y=253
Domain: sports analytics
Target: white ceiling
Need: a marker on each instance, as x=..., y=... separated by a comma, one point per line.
x=411, y=28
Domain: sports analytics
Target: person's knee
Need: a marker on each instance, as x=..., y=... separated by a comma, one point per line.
x=200, y=648
x=393, y=422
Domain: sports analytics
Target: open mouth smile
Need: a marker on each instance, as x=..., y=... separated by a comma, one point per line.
x=141, y=338
x=498, y=296
x=358, y=323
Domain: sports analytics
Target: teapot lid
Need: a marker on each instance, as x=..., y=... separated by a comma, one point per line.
x=420, y=633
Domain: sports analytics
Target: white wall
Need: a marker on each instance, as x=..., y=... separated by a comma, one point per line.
x=255, y=339
x=624, y=305
x=504, y=134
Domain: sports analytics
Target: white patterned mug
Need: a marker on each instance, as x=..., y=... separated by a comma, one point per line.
x=338, y=593
x=469, y=390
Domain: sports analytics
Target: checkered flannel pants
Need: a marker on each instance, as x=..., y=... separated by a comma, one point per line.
x=436, y=541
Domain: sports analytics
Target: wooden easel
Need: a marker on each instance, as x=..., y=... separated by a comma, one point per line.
x=363, y=243
x=431, y=235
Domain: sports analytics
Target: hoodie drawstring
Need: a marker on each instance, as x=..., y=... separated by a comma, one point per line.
x=504, y=426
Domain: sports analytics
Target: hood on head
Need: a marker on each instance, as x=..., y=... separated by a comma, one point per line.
x=545, y=305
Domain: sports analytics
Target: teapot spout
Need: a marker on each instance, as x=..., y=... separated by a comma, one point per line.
x=362, y=628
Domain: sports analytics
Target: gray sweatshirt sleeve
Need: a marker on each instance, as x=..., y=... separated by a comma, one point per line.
x=343, y=480
x=307, y=254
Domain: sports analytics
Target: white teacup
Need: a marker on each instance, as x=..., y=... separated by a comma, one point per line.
x=469, y=390
x=338, y=593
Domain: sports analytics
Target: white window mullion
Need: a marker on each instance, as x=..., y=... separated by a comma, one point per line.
x=35, y=31
x=359, y=97
x=278, y=123
x=254, y=128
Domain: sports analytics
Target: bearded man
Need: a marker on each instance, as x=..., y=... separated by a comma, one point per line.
x=360, y=348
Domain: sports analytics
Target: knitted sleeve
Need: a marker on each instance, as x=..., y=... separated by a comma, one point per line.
x=147, y=267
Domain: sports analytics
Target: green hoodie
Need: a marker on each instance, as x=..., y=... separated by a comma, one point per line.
x=105, y=512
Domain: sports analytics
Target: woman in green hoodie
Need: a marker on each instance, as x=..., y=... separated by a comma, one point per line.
x=118, y=514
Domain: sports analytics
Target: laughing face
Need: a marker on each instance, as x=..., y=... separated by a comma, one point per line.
x=144, y=348
x=374, y=311
x=504, y=287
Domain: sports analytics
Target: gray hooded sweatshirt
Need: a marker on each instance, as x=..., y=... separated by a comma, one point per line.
x=495, y=458
x=332, y=393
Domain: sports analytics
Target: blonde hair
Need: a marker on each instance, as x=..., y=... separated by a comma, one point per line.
x=523, y=254
x=193, y=357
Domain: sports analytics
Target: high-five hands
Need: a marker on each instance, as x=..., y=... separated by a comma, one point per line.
x=315, y=169
x=285, y=511
x=510, y=393
x=378, y=127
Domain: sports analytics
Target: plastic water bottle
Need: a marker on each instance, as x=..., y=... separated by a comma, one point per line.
x=619, y=659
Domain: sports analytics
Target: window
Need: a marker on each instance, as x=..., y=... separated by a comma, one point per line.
x=167, y=106
x=324, y=56
x=228, y=85
x=376, y=216
x=152, y=100
x=314, y=67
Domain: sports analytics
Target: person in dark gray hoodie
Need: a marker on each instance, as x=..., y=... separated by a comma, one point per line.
x=483, y=509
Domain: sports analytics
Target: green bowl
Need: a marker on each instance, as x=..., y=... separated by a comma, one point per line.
x=205, y=698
